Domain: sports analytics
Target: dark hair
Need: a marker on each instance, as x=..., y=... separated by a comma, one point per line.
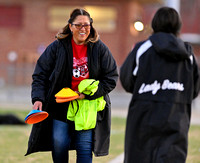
x=78, y=12
x=166, y=20
x=93, y=36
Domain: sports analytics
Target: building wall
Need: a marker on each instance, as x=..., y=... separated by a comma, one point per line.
x=29, y=39
x=34, y=30
x=32, y=35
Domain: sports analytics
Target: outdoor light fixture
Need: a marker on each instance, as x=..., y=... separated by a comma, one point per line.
x=136, y=28
x=139, y=26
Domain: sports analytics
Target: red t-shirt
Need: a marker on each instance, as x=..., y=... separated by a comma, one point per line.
x=80, y=64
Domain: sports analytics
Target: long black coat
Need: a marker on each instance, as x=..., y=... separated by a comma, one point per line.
x=163, y=77
x=52, y=73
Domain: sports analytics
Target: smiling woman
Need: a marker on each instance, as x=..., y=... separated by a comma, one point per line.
x=80, y=26
x=80, y=29
x=78, y=54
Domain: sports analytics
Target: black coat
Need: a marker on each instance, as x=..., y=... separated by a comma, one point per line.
x=53, y=72
x=163, y=77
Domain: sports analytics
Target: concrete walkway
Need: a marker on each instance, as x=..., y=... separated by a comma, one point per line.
x=20, y=98
x=118, y=159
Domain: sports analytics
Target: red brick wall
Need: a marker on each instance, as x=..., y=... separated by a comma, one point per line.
x=33, y=32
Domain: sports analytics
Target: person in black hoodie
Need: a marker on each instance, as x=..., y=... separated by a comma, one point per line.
x=163, y=77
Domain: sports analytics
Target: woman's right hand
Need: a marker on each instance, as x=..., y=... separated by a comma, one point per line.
x=37, y=105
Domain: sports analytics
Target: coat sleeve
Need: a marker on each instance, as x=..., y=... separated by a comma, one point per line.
x=43, y=70
x=196, y=76
x=126, y=71
x=196, y=71
x=108, y=75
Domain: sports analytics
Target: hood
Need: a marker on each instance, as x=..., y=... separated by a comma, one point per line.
x=169, y=46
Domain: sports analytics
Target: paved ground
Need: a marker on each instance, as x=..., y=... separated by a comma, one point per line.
x=19, y=98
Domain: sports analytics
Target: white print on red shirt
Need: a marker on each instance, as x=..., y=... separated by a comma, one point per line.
x=80, y=67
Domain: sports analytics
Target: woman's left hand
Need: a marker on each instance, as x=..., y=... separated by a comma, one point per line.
x=81, y=96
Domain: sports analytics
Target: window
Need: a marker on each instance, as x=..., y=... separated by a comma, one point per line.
x=104, y=17
x=58, y=17
x=10, y=16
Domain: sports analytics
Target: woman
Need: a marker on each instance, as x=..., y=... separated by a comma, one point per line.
x=77, y=54
x=163, y=77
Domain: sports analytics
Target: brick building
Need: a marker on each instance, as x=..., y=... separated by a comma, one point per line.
x=27, y=27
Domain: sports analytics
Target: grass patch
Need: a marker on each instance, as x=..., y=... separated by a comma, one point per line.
x=194, y=145
x=14, y=140
x=19, y=113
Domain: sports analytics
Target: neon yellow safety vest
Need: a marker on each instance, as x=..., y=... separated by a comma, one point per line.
x=84, y=112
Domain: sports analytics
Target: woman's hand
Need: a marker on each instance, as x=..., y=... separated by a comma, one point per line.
x=81, y=96
x=37, y=105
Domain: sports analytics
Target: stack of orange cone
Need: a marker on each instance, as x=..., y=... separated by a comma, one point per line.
x=65, y=95
x=35, y=116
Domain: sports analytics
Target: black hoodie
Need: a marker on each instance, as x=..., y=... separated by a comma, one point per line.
x=163, y=77
x=162, y=68
x=169, y=46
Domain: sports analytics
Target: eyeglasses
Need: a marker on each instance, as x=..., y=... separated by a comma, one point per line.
x=79, y=26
